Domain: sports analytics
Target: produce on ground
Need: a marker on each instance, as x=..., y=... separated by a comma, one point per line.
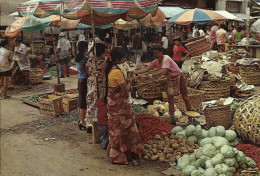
x=139, y=109
x=251, y=151
x=159, y=109
x=167, y=148
x=35, y=98
x=235, y=104
x=201, y=136
x=149, y=125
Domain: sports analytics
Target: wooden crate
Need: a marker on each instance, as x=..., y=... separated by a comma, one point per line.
x=51, y=105
x=69, y=104
x=35, y=75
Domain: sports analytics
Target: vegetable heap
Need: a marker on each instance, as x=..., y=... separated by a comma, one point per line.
x=235, y=104
x=159, y=109
x=35, y=98
x=216, y=156
x=250, y=151
x=167, y=148
x=139, y=109
x=198, y=135
x=149, y=125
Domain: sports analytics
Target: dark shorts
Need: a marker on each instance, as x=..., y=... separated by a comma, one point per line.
x=83, y=89
x=6, y=73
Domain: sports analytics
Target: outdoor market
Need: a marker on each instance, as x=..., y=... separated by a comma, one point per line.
x=129, y=87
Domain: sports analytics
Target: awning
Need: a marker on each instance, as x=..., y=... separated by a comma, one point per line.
x=171, y=11
x=235, y=0
x=242, y=16
x=227, y=15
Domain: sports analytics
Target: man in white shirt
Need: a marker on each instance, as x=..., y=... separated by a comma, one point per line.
x=20, y=58
x=64, y=48
x=165, y=44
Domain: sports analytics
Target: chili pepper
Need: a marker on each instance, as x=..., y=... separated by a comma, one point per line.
x=251, y=151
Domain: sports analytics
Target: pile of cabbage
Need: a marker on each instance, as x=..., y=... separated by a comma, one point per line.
x=215, y=156
x=197, y=134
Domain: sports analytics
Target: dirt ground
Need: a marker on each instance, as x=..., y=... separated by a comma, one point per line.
x=28, y=150
x=33, y=144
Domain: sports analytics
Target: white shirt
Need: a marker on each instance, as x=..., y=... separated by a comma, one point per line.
x=202, y=33
x=64, y=45
x=21, y=58
x=165, y=42
x=5, y=59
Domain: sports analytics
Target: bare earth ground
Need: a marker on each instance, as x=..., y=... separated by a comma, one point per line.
x=25, y=152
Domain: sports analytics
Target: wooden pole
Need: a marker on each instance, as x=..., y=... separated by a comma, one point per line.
x=94, y=49
x=55, y=57
x=115, y=39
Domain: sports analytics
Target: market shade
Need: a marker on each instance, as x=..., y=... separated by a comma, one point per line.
x=170, y=11
x=76, y=9
x=64, y=23
x=122, y=24
x=199, y=16
x=255, y=27
x=226, y=14
x=157, y=20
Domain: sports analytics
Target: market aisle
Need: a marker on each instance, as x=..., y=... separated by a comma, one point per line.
x=27, y=148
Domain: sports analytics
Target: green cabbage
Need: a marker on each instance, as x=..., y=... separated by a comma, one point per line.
x=209, y=150
x=230, y=135
x=176, y=129
x=230, y=161
x=217, y=159
x=210, y=172
x=206, y=141
x=198, y=153
x=250, y=162
x=208, y=164
x=198, y=131
x=203, y=159
x=212, y=132
x=183, y=162
x=220, y=131
x=227, y=151
x=192, y=157
x=222, y=168
x=241, y=158
x=181, y=134
x=198, y=172
x=189, y=130
x=193, y=139
x=204, y=133
x=188, y=170
x=234, y=143
x=219, y=142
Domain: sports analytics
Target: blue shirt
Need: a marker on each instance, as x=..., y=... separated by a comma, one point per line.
x=81, y=68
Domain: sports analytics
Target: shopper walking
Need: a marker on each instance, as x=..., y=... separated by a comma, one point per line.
x=221, y=37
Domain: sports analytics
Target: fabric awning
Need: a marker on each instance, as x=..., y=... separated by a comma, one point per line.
x=227, y=15
x=242, y=16
x=171, y=11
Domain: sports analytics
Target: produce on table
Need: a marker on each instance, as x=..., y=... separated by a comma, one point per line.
x=149, y=126
x=168, y=148
x=161, y=109
x=251, y=151
x=215, y=135
x=139, y=109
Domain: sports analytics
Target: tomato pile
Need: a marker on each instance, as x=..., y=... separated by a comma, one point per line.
x=149, y=125
x=251, y=151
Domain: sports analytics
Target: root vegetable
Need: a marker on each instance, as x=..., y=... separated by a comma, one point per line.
x=154, y=157
x=154, y=150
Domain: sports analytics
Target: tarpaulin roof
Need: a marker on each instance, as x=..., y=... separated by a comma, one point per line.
x=171, y=11
x=226, y=14
x=242, y=16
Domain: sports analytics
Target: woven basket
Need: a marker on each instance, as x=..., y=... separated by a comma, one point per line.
x=196, y=98
x=215, y=90
x=219, y=115
x=150, y=89
x=250, y=74
x=198, y=47
x=35, y=75
x=247, y=119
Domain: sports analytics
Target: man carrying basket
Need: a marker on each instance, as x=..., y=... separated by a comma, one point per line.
x=176, y=80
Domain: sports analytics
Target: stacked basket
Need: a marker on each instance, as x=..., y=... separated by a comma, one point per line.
x=250, y=74
x=35, y=75
x=198, y=47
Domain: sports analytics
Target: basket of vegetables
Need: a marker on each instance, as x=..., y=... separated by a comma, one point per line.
x=150, y=89
x=247, y=119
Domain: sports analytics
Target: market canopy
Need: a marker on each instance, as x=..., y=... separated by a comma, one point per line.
x=122, y=24
x=226, y=14
x=157, y=20
x=76, y=9
x=199, y=16
x=170, y=11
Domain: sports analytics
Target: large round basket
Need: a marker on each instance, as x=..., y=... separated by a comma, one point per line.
x=250, y=74
x=196, y=98
x=35, y=75
x=150, y=89
x=219, y=115
x=215, y=90
x=247, y=119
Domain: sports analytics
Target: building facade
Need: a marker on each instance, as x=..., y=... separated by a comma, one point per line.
x=232, y=6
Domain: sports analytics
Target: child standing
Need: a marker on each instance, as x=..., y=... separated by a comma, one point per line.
x=5, y=68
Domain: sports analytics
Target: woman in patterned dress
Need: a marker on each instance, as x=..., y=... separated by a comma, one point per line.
x=124, y=140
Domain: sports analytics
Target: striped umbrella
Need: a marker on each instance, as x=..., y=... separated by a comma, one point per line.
x=199, y=16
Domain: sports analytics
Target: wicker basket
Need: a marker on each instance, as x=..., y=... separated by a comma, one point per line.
x=215, y=90
x=150, y=89
x=196, y=98
x=35, y=75
x=247, y=119
x=219, y=115
x=198, y=47
x=250, y=74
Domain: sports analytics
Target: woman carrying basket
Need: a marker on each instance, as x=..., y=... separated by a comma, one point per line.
x=176, y=80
